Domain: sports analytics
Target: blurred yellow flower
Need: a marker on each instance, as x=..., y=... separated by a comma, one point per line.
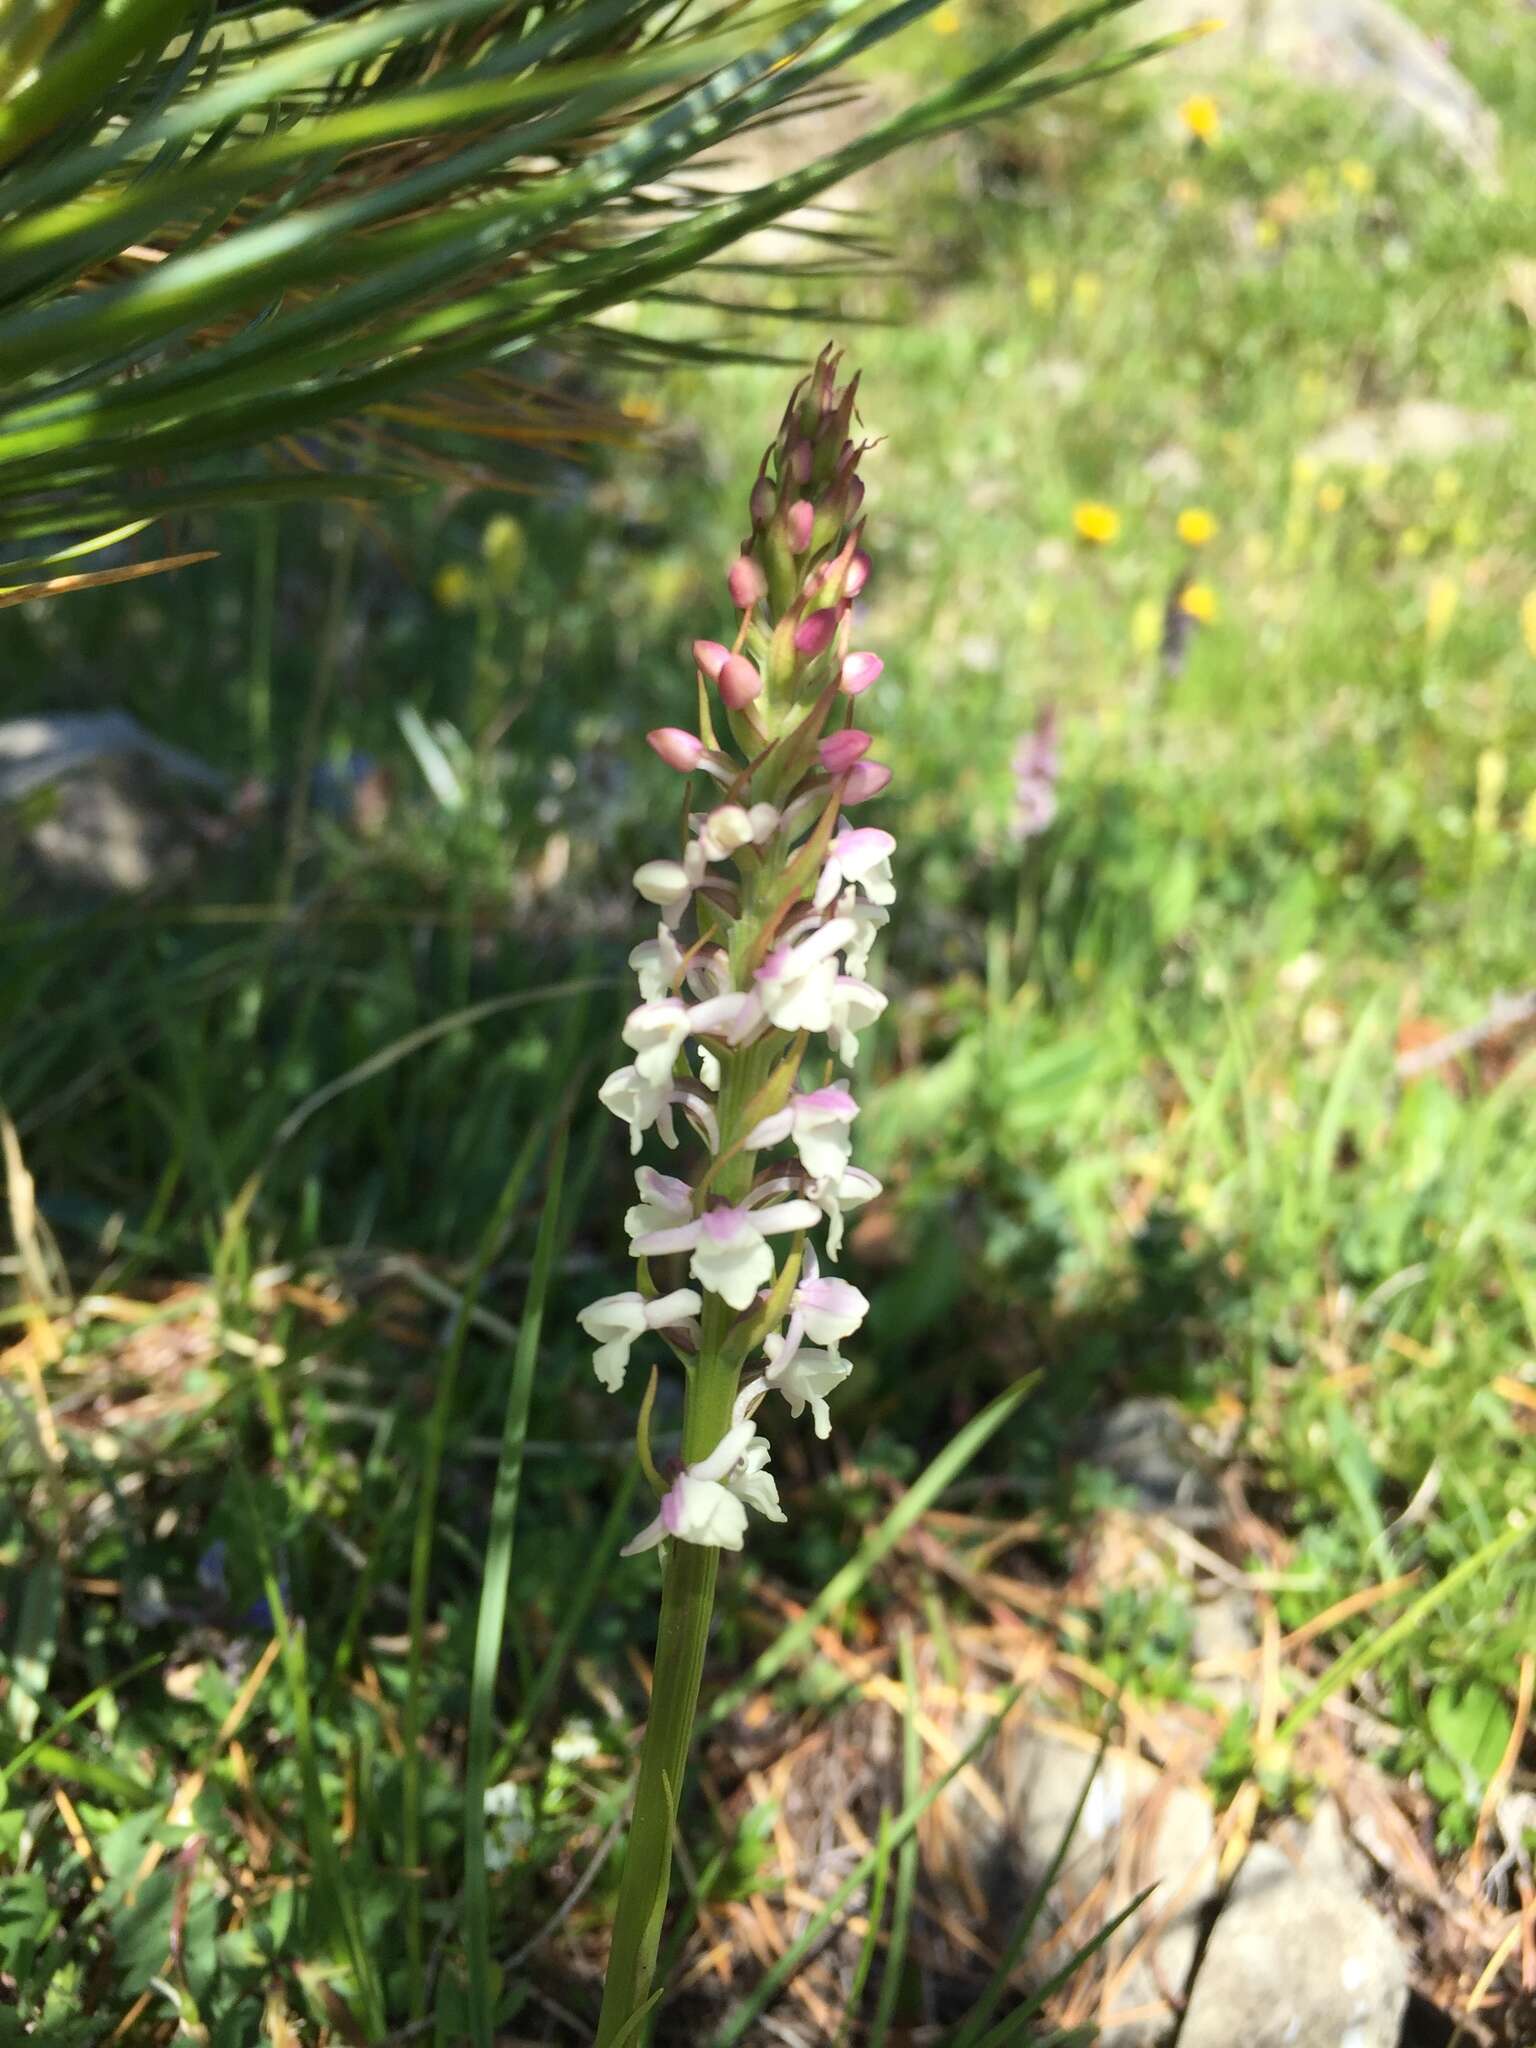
x=1447, y=486
x=1528, y=622
x=1305, y=470
x=453, y=587
x=1492, y=779
x=1330, y=498
x=1096, y=522
x=1440, y=602
x=945, y=21
x=502, y=544
x=1196, y=526
x=644, y=411
x=1357, y=176
x=1087, y=290
x=1041, y=289
x=1202, y=117
x=1199, y=602
x=1266, y=233
x=1146, y=627
x=1414, y=541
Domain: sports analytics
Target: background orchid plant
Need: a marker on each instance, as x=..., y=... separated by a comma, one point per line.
x=753, y=993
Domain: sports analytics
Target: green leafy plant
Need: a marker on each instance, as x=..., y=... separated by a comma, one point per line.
x=340, y=243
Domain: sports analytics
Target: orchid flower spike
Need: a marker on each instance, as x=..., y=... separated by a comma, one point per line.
x=753, y=979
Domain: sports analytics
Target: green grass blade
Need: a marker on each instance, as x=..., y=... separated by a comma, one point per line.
x=1372, y=1648
x=491, y=1240
x=1338, y=1103
x=616, y=1526
x=493, y=1599
x=997, y=1984
x=905, y=1897
x=871, y=1939
x=845, y=1584
x=1011, y=2029
x=45, y=1742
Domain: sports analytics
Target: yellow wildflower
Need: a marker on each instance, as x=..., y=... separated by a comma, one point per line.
x=1196, y=526
x=1330, y=498
x=1096, y=522
x=1357, y=176
x=1041, y=288
x=1440, y=604
x=945, y=21
x=643, y=410
x=1305, y=470
x=1266, y=233
x=1528, y=622
x=1202, y=117
x=1414, y=541
x=1146, y=627
x=1492, y=780
x=1198, y=602
x=1087, y=290
x=503, y=548
x=453, y=587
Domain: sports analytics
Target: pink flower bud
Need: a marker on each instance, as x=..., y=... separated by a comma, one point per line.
x=739, y=682
x=799, y=520
x=762, y=502
x=801, y=459
x=814, y=635
x=840, y=751
x=711, y=657
x=680, y=750
x=858, y=574
x=865, y=779
x=859, y=671
x=746, y=582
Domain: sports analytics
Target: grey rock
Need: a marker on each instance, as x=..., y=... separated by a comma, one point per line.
x=1222, y=1631
x=1422, y=430
x=1139, y=1827
x=1145, y=1445
x=106, y=807
x=1363, y=48
x=1298, y=1959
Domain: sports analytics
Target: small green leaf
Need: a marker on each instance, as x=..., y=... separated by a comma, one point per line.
x=1472, y=1724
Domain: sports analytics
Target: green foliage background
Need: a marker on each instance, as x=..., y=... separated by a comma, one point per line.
x=1136, y=1101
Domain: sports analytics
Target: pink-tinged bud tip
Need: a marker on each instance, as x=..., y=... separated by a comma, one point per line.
x=762, y=502
x=865, y=779
x=680, y=750
x=711, y=657
x=858, y=574
x=799, y=521
x=814, y=635
x=859, y=671
x=739, y=682
x=842, y=749
x=801, y=460
x=746, y=583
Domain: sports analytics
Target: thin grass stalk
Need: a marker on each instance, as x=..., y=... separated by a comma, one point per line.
x=905, y=1896
x=421, y=1563
x=493, y=1597
x=334, y=1889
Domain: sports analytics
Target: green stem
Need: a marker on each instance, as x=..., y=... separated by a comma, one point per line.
x=687, y=1601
